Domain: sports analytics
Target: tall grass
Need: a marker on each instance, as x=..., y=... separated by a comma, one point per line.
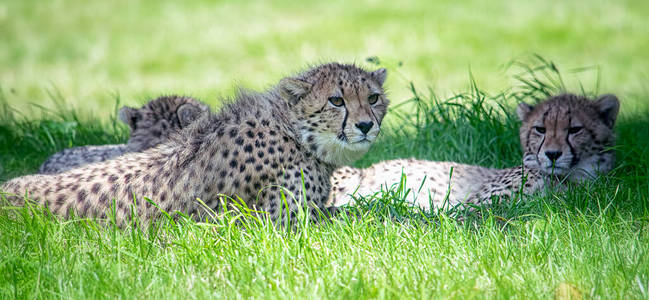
x=589, y=241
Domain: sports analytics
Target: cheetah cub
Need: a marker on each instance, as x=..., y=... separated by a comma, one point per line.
x=150, y=125
x=287, y=140
x=564, y=137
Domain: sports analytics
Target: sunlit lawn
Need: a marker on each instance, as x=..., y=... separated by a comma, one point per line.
x=591, y=241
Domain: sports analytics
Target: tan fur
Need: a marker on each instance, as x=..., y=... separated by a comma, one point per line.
x=433, y=185
x=583, y=154
x=256, y=144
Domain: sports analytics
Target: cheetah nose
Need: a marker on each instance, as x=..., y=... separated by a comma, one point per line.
x=365, y=126
x=553, y=155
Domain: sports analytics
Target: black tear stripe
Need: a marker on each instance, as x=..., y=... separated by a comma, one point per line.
x=573, y=161
x=540, y=146
x=545, y=114
x=344, y=120
x=375, y=118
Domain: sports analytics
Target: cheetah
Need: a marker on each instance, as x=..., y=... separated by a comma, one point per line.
x=566, y=137
x=274, y=150
x=150, y=125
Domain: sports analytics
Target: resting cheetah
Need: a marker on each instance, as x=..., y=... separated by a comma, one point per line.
x=150, y=125
x=292, y=136
x=567, y=136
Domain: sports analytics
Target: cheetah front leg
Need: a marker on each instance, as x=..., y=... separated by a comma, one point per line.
x=295, y=196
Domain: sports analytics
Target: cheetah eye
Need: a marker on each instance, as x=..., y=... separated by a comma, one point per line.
x=373, y=99
x=576, y=129
x=540, y=129
x=337, y=101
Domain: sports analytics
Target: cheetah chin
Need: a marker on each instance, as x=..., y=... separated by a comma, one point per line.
x=338, y=152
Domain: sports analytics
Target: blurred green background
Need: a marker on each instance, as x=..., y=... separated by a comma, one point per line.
x=89, y=52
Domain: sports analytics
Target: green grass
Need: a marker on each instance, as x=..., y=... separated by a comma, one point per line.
x=593, y=239
x=74, y=61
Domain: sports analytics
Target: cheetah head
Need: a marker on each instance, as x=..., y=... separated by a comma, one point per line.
x=569, y=135
x=338, y=110
x=155, y=121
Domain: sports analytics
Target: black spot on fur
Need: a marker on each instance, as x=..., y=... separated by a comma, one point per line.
x=103, y=199
x=81, y=196
x=95, y=188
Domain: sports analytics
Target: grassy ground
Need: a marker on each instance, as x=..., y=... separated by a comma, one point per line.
x=590, y=241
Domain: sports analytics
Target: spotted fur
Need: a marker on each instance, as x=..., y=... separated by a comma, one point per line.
x=433, y=185
x=569, y=135
x=291, y=136
x=150, y=125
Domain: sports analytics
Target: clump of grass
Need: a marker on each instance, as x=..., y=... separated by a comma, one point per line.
x=26, y=142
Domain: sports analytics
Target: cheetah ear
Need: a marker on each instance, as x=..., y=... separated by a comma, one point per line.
x=187, y=114
x=608, y=106
x=128, y=115
x=380, y=75
x=293, y=89
x=523, y=110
